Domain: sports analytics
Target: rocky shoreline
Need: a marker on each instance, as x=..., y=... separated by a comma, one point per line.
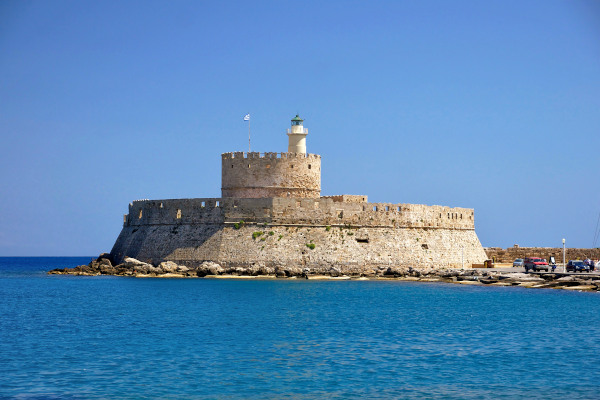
x=168, y=269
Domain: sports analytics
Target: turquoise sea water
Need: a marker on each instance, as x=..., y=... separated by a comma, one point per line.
x=64, y=337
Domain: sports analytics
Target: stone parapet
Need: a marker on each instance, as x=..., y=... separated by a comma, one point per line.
x=297, y=211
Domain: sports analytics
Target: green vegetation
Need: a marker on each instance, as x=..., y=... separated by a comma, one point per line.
x=262, y=239
x=271, y=233
x=256, y=234
x=280, y=236
x=350, y=233
x=310, y=246
x=238, y=225
x=328, y=228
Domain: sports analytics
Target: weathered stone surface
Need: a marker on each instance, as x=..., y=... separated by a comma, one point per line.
x=133, y=262
x=168, y=266
x=209, y=268
x=182, y=268
x=581, y=287
x=317, y=233
x=134, y=267
x=104, y=256
x=255, y=175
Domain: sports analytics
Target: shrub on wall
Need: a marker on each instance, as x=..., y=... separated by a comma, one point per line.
x=238, y=225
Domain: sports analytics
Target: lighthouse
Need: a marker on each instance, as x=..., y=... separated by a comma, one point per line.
x=297, y=136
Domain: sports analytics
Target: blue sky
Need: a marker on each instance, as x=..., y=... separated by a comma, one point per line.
x=491, y=105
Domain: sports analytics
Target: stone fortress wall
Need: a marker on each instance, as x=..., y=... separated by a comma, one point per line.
x=271, y=213
x=351, y=234
x=324, y=211
x=255, y=175
x=500, y=255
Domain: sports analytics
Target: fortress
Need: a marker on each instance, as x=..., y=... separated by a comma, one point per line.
x=271, y=214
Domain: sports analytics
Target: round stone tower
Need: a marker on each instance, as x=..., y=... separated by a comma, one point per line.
x=257, y=175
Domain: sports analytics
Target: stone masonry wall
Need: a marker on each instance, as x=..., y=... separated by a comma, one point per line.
x=350, y=249
x=510, y=254
x=256, y=175
x=349, y=235
x=297, y=211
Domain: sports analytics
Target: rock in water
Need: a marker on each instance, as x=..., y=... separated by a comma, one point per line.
x=168, y=267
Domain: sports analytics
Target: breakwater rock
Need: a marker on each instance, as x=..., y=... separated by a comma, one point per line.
x=168, y=269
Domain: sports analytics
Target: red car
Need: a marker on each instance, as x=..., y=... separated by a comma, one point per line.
x=536, y=264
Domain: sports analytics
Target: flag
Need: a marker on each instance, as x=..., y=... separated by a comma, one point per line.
x=247, y=117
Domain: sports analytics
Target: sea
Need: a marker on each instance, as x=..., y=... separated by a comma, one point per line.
x=103, y=337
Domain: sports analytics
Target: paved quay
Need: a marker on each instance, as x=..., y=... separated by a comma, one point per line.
x=559, y=271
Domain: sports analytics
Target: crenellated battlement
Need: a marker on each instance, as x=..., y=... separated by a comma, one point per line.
x=268, y=155
x=297, y=211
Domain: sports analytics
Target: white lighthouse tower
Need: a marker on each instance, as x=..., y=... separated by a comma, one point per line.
x=297, y=136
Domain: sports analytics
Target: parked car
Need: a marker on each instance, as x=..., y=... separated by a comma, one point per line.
x=518, y=263
x=535, y=264
x=577, y=266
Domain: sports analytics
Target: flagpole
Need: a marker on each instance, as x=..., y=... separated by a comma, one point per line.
x=249, y=149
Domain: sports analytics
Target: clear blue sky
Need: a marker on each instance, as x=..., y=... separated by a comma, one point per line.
x=492, y=105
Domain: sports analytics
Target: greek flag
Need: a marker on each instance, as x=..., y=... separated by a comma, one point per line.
x=247, y=117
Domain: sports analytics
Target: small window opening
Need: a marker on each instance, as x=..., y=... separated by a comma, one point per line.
x=231, y=165
x=398, y=209
x=374, y=208
x=268, y=165
x=387, y=208
x=308, y=166
x=140, y=217
x=425, y=246
x=178, y=214
x=248, y=165
x=216, y=204
x=202, y=204
x=364, y=240
x=291, y=165
x=161, y=205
